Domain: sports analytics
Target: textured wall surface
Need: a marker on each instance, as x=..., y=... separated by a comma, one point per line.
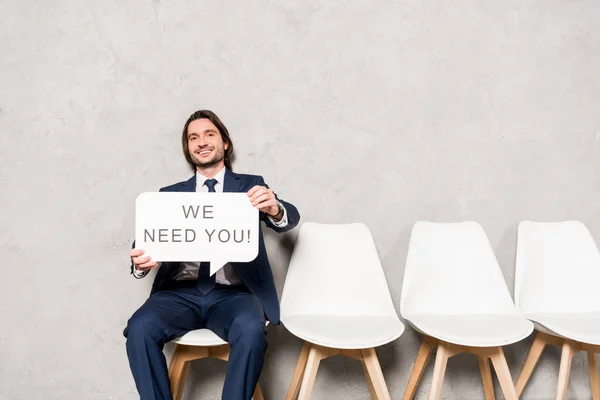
x=383, y=112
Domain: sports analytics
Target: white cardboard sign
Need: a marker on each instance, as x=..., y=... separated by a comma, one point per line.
x=215, y=227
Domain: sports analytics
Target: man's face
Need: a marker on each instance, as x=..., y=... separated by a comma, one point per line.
x=205, y=144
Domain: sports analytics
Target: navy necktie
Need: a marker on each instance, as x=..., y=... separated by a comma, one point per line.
x=206, y=282
x=210, y=184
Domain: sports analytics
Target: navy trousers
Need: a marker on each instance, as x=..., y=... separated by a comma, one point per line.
x=233, y=313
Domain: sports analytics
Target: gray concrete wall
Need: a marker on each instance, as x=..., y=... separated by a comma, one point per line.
x=384, y=112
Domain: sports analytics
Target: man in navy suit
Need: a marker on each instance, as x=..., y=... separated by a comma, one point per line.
x=234, y=303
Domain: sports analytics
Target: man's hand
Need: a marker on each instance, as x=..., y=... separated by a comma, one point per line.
x=264, y=199
x=141, y=262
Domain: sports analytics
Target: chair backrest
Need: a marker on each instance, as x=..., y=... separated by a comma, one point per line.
x=557, y=268
x=335, y=270
x=451, y=269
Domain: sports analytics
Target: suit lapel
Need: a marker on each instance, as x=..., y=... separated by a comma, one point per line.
x=233, y=182
x=189, y=185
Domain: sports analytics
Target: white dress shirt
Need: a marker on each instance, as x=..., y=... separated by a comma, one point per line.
x=226, y=275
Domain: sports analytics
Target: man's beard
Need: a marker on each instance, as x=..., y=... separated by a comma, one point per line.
x=219, y=156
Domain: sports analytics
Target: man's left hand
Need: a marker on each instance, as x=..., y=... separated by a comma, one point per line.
x=264, y=199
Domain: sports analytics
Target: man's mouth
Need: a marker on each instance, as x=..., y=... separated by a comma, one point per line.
x=203, y=152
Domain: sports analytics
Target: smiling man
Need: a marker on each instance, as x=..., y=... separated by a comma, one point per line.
x=234, y=303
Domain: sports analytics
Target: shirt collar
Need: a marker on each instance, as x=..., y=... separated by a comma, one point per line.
x=200, y=179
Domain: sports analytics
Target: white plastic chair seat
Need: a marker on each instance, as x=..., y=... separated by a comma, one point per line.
x=345, y=331
x=581, y=327
x=476, y=330
x=200, y=337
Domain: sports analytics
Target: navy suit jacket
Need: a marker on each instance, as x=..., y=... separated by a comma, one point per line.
x=256, y=274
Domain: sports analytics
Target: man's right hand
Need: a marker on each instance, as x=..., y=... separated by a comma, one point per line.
x=141, y=262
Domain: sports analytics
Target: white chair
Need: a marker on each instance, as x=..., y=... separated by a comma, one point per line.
x=337, y=300
x=194, y=345
x=454, y=293
x=556, y=287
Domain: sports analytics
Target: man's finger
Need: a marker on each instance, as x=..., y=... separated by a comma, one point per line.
x=266, y=204
x=141, y=260
x=254, y=189
x=148, y=265
x=261, y=198
x=136, y=252
x=258, y=193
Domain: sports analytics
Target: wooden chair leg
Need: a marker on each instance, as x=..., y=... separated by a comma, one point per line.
x=568, y=350
x=294, y=388
x=257, y=393
x=372, y=391
x=417, y=371
x=375, y=374
x=177, y=370
x=486, y=377
x=315, y=356
x=537, y=348
x=178, y=393
x=441, y=360
x=503, y=373
x=180, y=365
x=593, y=366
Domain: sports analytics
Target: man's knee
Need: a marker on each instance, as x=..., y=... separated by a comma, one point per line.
x=142, y=326
x=251, y=334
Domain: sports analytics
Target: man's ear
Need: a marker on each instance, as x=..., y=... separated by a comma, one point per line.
x=226, y=145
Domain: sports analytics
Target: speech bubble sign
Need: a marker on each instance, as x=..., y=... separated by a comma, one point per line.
x=215, y=227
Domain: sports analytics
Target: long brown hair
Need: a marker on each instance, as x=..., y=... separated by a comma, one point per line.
x=212, y=117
